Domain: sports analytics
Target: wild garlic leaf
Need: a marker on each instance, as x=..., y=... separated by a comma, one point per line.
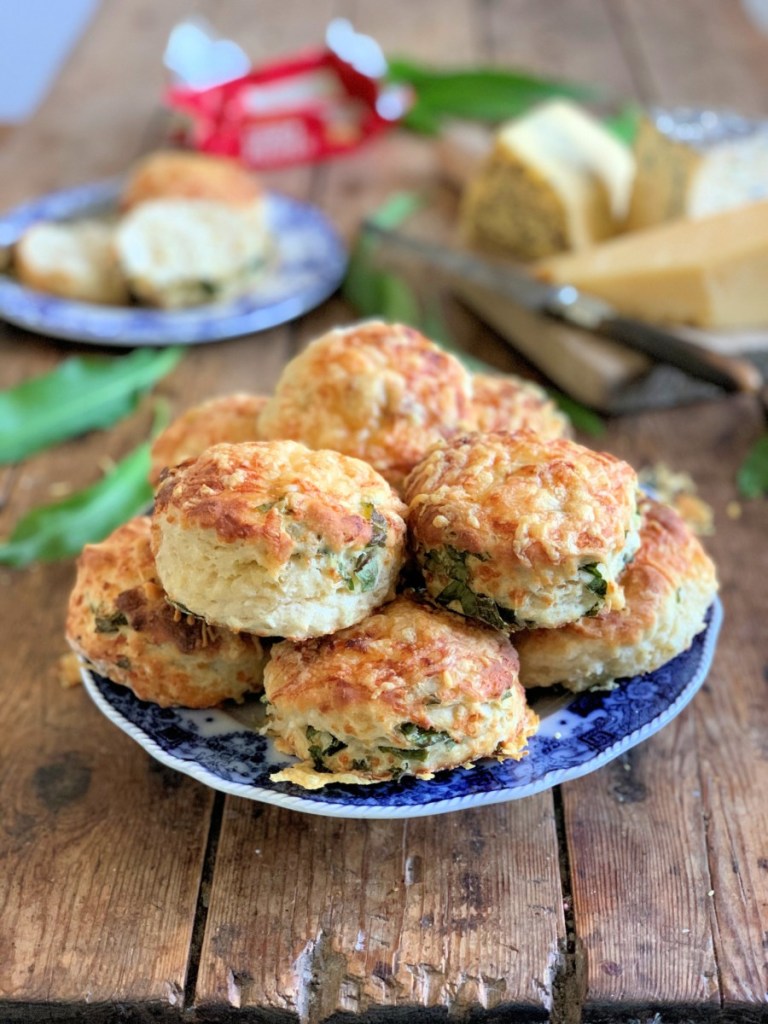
x=421, y=737
x=596, y=583
x=82, y=393
x=581, y=417
x=447, y=561
x=62, y=528
x=481, y=94
x=752, y=477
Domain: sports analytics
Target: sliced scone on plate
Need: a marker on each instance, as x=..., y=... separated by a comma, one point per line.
x=189, y=252
x=71, y=260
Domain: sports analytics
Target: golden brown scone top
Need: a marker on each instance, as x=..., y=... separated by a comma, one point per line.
x=510, y=403
x=377, y=666
x=231, y=418
x=262, y=492
x=538, y=502
x=379, y=392
x=180, y=174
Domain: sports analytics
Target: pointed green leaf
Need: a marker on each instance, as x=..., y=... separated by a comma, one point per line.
x=60, y=529
x=483, y=94
x=81, y=394
x=752, y=478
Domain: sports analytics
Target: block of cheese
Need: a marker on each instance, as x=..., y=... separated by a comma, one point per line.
x=555, y=179
x=695, y=163
x=711, y=272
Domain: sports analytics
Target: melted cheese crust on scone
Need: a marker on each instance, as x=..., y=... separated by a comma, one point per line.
x=379, y=392
x=522, y=532
x=410, y=690
x=227, y=418
x=185, y=175
x=276, y=539
x=120, y=621
x=668, y=588
x=511, y=403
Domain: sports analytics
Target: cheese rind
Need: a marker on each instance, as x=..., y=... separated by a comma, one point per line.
x=710, y=272
x=556, y=179
x=690, y=167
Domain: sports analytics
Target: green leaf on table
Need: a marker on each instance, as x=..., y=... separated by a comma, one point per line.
x=60, y=529
x=82, y=393
x=752, y=477
x=371, y=290
x=581, y=417
x=625, y=123
x=397, y=208
x=481, y=94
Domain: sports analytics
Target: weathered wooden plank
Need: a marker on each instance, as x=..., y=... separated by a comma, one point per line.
x=312, y=916
x=696, y=53
x=101, y=848
x=573, y=40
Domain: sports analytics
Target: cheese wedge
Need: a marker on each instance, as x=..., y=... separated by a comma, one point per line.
x=711, y=272
x=556, y=179
x=688, y=166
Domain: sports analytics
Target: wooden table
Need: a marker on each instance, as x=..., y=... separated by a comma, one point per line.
x=129, y=892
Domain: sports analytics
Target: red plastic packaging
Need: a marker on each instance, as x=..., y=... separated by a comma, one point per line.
x=304, y=108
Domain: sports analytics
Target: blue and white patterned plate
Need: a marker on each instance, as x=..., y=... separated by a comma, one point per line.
x=578, y=734
x=306, y=265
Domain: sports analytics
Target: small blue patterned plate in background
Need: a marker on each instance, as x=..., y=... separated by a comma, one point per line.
x=579, y=733
x=306, y=266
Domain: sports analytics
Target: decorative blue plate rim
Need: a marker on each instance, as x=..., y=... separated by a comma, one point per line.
x=307, y=265
x=579, y=733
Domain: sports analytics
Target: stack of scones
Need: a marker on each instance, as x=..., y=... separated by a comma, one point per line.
x=392, y=549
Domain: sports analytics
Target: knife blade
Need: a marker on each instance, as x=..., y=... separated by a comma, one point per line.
x=568, y=304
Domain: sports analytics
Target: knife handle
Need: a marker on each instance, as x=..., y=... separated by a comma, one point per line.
x=728, y=372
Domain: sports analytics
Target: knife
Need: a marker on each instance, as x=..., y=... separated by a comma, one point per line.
x=568, y=304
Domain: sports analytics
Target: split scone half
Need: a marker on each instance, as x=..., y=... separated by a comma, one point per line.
x=668, y=588
x=511, y=403
x=180, y=252
x=520, y=532
x=410, y=690
x=275, y=539
x=226, y=418
x=72, y=260
x=121, y=623
x=379, y=392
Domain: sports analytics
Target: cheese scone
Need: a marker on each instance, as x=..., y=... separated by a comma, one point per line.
x=511, y=403
x=379, y=392
x=72, y=260
x=410, y=690
x=181, y=174
x=187, y=252
x=120, y=621
x=278, y=540
x=521, y=532
x=231, y=418
x=668, y=588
